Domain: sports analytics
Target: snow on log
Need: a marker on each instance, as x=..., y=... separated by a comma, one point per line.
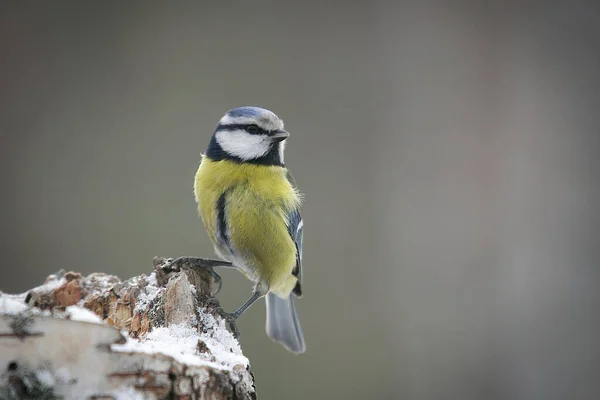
x=95, y=337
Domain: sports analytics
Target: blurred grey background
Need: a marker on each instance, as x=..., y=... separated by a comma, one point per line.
x=448, y=155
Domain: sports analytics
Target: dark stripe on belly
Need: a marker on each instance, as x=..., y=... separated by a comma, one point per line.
x=221, y=220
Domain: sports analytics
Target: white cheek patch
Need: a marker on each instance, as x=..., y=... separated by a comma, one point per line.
x=241, y=144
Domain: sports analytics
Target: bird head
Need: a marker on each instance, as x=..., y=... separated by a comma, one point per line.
x=249, y=134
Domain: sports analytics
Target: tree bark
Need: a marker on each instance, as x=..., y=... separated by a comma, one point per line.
x=95, y=337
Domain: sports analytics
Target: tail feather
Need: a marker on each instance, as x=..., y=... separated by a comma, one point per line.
x=283, y=325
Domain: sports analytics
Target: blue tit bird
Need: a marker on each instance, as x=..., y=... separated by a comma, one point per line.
x=250, y=208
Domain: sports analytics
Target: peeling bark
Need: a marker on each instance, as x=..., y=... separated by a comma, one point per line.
x=48, y=350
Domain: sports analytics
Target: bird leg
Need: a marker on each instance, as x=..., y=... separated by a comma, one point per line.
x=231, y=318
x=198, y=262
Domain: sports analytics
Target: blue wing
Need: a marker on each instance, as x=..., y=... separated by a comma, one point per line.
x=296, y=229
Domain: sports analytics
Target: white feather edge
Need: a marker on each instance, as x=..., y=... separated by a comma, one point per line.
x=282, y=150
x=269, y=124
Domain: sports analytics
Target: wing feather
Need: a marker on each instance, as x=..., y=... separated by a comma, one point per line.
x=296, y=230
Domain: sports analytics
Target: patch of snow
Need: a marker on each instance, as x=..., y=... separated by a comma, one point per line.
x=63, y=375
x=181, y=343
x=45, y=377
x=77, y=313
x=12, y=304
x=127, y=393
x=148, y=294
x=53, y=283
x=102, y=281
x=152, y=279
x=43, y=313
x=221, y=343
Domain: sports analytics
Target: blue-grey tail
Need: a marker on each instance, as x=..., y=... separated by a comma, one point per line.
x=283, y=325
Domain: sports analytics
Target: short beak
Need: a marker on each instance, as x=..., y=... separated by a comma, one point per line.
x=279, y=136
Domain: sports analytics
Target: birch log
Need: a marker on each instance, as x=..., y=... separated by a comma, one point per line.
x=96, y=337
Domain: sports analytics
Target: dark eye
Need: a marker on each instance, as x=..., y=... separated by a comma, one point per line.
x=253, y=129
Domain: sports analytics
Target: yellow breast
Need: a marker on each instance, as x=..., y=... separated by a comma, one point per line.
x=257, y=201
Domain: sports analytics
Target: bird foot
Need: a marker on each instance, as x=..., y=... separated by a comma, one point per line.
x=194, y=262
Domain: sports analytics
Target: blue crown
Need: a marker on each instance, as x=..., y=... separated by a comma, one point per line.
x=247, y=111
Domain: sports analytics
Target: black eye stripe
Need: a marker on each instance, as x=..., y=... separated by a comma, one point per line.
x=244, y=127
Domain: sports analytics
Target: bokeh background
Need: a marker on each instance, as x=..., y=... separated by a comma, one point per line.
x=448, y=154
